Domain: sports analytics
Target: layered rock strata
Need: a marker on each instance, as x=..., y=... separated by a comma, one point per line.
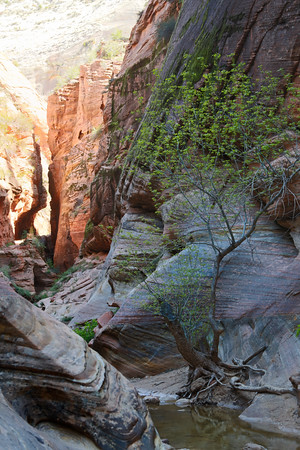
x=256, y=33
x=26, y=267
x=68, y=295
x=134, y=339
x=128, y=95
x=26, y=99
x=75, y=120
x=24, y=156
x=22, y=183
x=45, y=381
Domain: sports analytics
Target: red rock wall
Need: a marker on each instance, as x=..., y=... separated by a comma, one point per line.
x=74, y=116
x=128, y=95
x=24, y=156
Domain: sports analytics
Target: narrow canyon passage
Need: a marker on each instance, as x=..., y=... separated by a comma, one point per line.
x=149, y=220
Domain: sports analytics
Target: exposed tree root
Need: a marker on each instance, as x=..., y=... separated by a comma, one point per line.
x=265, y=389
x=204, y=380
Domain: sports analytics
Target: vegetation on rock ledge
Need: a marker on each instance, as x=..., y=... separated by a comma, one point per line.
x=217, y=153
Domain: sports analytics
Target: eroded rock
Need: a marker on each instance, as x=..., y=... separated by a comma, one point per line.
x=24, y=155
x=45, y=381
x=75, y=118
x=26, y=267
x=68, y=295
x=128, y=94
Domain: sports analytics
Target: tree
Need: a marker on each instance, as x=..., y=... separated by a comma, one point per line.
x=218, y=151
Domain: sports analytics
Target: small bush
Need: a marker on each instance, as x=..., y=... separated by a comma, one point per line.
x=88, y=228
x=41, y=296
x=38, y=244
x=112, y=50
x=23, y=292
x=87, y=331
x=5, y=270
x=117, y=35
x=70, y=74
x=66, y=319
x=96, y=133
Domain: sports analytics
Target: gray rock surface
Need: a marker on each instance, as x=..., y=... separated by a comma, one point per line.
x=49, y=374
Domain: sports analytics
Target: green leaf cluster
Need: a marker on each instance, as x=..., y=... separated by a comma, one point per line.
x=87, y=331
x=212, y=144
x=218, y=138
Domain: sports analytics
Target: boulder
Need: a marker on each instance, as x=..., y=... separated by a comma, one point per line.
x=48, y=374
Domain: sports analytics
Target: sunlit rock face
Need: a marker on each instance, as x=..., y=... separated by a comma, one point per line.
x=50, y=37
x=75, y=118
x=70, y=384
x=128, y=95
x=26, y=99
x=24, y=156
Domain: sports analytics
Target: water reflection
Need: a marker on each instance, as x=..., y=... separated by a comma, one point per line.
x=212, y=429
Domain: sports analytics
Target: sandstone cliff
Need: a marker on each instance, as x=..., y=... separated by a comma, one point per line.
x=254, y=32
x=24, y=156
x=128, y=95
x=26, y=267
x=75, y=120
x=255, y=285
x=73, y=112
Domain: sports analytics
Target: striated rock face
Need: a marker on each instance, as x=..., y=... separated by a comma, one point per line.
x=68, y=295
x=257, y=33
x=128, y=95
x=26, y=99
x=75, y=120
x=45, y=381
x=23, y=193
x=24, y=156
x=124, y=265
x=26, y=267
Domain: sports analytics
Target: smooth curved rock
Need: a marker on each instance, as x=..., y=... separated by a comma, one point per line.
x=72, y=293
x=48, y=373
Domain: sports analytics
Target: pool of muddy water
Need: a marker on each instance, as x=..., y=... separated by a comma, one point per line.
x=212, y=428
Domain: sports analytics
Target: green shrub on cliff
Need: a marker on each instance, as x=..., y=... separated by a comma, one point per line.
x=212, y=144
x=5, y=270
x=87, y=330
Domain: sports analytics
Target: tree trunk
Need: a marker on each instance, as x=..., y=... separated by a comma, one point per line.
x=192, y=356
